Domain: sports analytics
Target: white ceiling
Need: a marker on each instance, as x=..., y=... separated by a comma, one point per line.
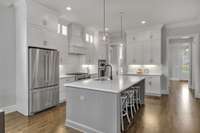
x=90, y=12
x=6, y=2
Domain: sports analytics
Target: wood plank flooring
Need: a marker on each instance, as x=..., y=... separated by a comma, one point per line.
x=176, y=113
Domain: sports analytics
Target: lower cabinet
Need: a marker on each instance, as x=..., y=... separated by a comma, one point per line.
x=62, y=93
x=153, y=85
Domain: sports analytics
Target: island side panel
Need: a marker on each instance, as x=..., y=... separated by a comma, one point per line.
x=92, y=111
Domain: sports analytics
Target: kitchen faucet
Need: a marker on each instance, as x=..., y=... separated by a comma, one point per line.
x=107, y=65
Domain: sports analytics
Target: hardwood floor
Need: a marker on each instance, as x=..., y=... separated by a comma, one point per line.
x=176, y=113
x=50, y=121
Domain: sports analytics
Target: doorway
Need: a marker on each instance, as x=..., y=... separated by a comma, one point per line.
x=180, y=59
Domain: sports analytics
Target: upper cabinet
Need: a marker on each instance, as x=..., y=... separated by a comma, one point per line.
x=40, y=15
x=144, y=47
x=41, y=26
x=76, y=39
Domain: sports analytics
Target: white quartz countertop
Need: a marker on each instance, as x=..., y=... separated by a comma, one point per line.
x=117, y=85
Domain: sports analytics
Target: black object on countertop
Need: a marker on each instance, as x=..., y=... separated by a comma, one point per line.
x=2, y=122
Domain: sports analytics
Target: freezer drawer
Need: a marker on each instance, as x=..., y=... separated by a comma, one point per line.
x=44, y=98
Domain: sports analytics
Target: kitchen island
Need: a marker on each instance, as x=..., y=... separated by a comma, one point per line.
x=93, y=105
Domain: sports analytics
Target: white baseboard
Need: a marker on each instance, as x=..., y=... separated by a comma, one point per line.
x=81, y=127
x=10, y=109
x=164, y=92
x=152, y=94
x=197, y=95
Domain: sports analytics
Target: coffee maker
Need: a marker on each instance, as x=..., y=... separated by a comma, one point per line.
x=101, y=68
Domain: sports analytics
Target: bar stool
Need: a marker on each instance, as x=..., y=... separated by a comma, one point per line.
x=124, y=109
x=137, y=98
x=131, y=101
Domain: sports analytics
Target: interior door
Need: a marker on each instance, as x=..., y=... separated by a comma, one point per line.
x=53, y=68
x=37, y=67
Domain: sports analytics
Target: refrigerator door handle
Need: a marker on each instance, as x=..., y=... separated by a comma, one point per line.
x=46, y=68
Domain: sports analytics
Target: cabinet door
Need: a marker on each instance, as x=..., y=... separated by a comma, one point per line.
x=155, y=85
x=138, y=55
x=62, y=93
x=42, y=16
x=152, y=85
x=62, y=47
x=50, y=39
x=147, y=52
x=39, y=37
x=156, y=51
x=35, y=36
x=135, y=53
x=129, y=54
x=155, y=34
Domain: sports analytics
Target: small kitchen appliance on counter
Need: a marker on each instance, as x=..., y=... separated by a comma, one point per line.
x=2, y=122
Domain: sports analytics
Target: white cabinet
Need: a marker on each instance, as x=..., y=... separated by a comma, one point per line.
x=89, y=57
x=134, y=52
x=39, y=37
x=147, y=52
x=40, y=15
x=62, y=93
x=144, y=47
x=156, y=51
x=153, y=85
x=42, y=25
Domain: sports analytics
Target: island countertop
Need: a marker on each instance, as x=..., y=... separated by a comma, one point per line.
x=117, y=85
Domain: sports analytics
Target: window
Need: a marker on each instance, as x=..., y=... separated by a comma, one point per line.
x=62, y=29
x=58, y=29
x=89, y=38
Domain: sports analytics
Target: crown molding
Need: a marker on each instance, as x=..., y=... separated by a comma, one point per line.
x=183, y=24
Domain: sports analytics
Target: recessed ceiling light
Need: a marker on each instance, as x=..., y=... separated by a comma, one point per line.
x=68, y=8
x=143, y=22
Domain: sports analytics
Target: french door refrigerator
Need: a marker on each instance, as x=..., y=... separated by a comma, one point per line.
x=43, y=79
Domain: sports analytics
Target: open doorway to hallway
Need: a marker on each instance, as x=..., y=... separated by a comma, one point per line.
x=180, y=61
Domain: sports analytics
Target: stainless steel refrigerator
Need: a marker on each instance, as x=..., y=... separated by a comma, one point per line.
x=43, y=79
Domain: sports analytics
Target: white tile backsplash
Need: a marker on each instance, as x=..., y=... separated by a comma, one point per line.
x=154, y=69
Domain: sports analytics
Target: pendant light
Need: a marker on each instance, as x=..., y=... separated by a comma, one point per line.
x=121, y=20
x=104, y=20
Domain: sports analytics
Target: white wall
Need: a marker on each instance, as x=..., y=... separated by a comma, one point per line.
x=7, y=56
